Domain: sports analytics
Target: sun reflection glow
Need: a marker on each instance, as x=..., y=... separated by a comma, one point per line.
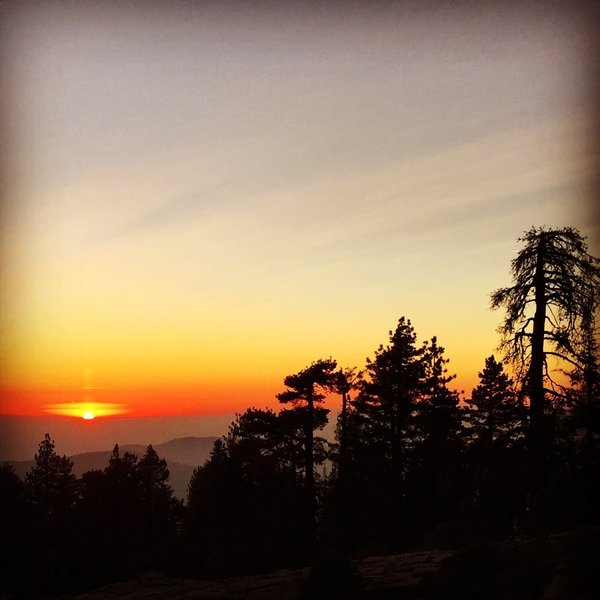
x=87, y=410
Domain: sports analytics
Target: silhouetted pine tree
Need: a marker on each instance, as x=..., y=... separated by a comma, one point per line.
x=555, y=291
x=580, y=426
x=556, y=288
x=494, y=461
x=247, y=509
x=380, y=444
x=344, y=381
x=15, y=525
x=305, y=393
x=496, y=416
x=123, y=503
x=51, y=487
x=393, y=383
x=160, y=511
x=435, y=478
x=96, y=530
x=128, y=517
x=51, y=483
x=440, y=420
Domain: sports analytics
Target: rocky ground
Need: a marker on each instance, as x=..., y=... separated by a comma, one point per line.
x=557, y=567
x=394, y=576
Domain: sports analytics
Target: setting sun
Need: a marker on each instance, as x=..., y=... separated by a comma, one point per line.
x=87, y=410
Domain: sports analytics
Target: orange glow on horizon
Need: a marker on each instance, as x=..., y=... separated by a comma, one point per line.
x=222, y=399
x=138, y=402
x=87, y=410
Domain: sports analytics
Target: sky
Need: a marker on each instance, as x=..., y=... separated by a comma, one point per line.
x=200, y=199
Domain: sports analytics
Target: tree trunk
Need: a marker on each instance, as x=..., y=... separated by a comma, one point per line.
x=343, y=435
x=536, y=368
x=396, y=439
x=309, y=478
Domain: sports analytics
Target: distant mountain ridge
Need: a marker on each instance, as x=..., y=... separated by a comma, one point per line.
x=182, y=456
x=188, y=450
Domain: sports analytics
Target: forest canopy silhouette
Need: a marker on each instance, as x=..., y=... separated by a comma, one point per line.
x=411, y=465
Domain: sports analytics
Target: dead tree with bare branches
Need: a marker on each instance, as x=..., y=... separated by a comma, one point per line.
x=550, y=305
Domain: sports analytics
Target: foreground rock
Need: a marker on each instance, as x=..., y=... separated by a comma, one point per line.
x=396, y=576
x=562, y=566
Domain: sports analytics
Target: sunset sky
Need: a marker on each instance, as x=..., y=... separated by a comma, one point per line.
x=200, y=201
